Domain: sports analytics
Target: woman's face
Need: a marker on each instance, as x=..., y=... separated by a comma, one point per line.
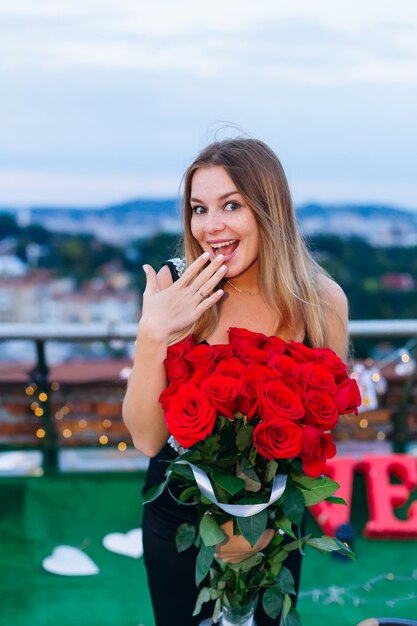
x=221, y=220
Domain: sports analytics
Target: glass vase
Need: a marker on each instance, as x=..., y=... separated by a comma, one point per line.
x=240, y=616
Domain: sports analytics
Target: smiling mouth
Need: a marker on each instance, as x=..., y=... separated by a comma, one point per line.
x=226, y=248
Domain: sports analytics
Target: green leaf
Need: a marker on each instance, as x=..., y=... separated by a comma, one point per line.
x=154, y=492
x=270, y=470
x=246, y=564
x=293, y=504
x=231, y=484
x=336, y=500
x=287, y=607
x=250, y=478
x=328, y=544
x=315, y=490
x=252, y=527
x=204, y=560
x=210, y=531
x=184, y=471
x=185, y=536
x=285, y=524
x=285, y=582
x=293, y=618
x=244, y=437
x=193, y=490
x=272, y=602
x=203, y=596
x=217, y=610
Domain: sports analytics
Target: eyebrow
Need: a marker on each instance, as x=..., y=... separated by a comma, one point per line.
x=225, y=195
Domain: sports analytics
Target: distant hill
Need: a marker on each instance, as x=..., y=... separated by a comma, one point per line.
x=120, y=223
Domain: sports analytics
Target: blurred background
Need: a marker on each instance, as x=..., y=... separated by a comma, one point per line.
x=103, y=105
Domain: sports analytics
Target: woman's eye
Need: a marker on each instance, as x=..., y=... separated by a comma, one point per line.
x=198, y=209
x=232, y=206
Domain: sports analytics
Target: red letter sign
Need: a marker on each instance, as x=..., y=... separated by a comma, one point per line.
x=383, y=496
x=331, y=516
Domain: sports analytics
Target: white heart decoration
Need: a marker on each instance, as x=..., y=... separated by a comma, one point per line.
x=69, y=561
x=129, y=544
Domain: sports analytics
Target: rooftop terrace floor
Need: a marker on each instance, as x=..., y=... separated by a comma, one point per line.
x=38, y=514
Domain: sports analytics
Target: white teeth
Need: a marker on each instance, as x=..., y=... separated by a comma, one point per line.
x=221, y=245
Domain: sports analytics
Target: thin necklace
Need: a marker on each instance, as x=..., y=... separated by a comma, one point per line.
x=249, y=293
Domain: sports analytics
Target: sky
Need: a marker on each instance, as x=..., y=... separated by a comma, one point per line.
x=102, y=102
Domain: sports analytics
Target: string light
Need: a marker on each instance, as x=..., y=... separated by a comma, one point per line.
x=40, y=433
x=43, y=397
x=54, y=386
x=38, y=412
x=104, y=440
x=29, y=391
x=363, y=423
x=34, y=406
x=107, y=423
x=340, y=595
x=122, y=446
x=82, y=423
x=67, y=433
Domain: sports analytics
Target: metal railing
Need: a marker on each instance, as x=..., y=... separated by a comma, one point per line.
x=40, y=334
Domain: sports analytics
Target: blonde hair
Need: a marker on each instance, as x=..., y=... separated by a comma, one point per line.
x=288, y=275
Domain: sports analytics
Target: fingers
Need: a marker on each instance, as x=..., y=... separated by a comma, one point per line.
x=206, y=303
x=207, y=286
x=196, y=270
x=151, y=279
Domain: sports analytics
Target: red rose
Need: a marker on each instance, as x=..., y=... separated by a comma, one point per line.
x=320, y=409
x=201, y=357
x=177, y=368
x=222, y=392
x=274, y=345
x=292, y=383
x=301, y=353
x=241, y=339
x=276, y=400
x=315, y=376
x=222, y=351
x=231, y=367
x=277, y=439
x=180, y=348
x=170, y=390
x=189, y=415
x=348, y=397
x=253, y=355
x=316, y=448
x=327, y=357
x=248, y=396
x=284, y=365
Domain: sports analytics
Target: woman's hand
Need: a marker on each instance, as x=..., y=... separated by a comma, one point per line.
x=235, y=548
x=170, y=310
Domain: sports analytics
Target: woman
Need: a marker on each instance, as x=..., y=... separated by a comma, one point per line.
x=246, y=266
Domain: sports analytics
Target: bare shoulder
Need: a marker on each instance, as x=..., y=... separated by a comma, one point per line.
x=332, y=294
x=164, y=277
x=335, y=313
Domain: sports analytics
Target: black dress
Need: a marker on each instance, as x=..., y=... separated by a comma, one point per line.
x=171, y=574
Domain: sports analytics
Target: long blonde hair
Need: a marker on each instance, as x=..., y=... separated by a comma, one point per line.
x=288, y=275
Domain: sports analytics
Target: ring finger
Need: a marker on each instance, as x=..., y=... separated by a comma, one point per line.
x=207, y=287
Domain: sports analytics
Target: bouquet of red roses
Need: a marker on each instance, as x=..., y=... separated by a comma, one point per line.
x=252, y=423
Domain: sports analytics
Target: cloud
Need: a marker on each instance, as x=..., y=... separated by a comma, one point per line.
x=31, y=187
x=377, y=42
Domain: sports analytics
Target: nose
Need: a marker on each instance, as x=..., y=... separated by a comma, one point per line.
x=214, y=222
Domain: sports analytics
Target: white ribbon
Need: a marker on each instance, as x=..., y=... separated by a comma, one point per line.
x=237, y=510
